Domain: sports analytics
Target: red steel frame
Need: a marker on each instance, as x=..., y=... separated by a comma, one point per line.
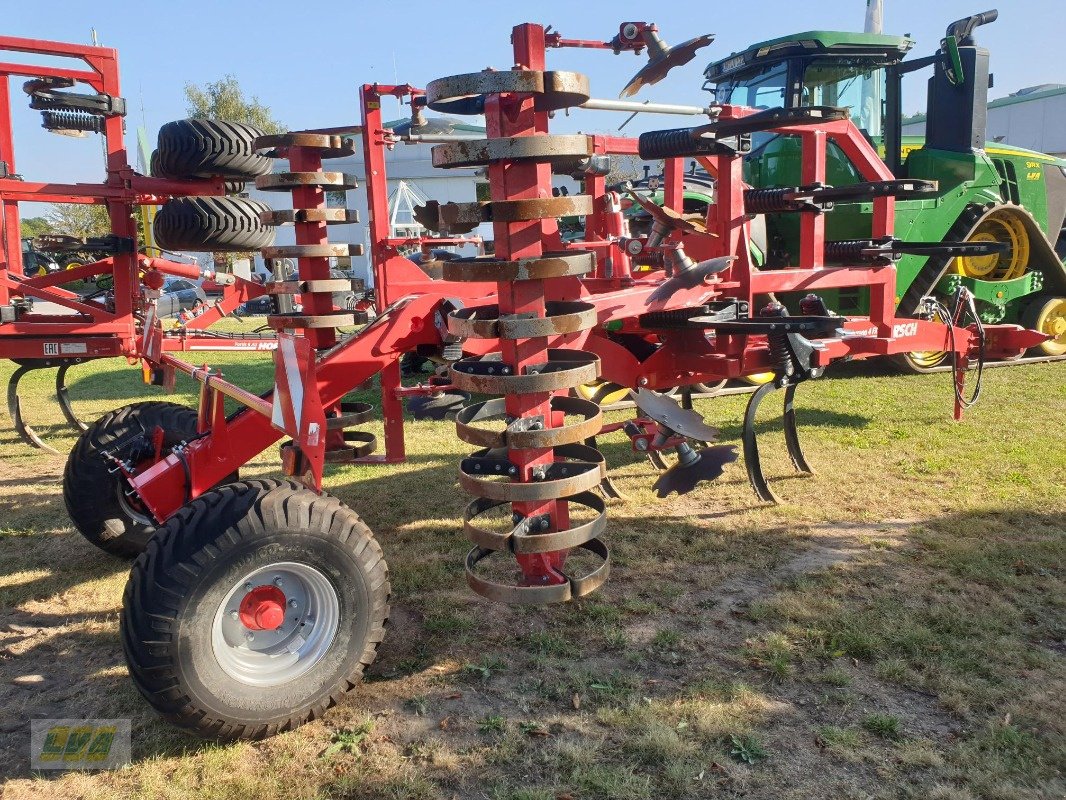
x=412, y=305
x=94, y=330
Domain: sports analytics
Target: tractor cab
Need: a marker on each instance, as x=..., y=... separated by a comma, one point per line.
x=816, y=68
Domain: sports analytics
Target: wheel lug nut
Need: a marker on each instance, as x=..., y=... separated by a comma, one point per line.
x=292, y=604
x=277, y=581
x=248, y=587
x=234, y=615
x=249, y=636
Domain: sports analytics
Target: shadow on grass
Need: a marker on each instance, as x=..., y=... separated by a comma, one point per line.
x=996, y=543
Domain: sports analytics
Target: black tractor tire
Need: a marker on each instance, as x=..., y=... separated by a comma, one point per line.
x=232, y=187
x=177, y=608
x=204, y=148
x=94, y=495
x=212, y=225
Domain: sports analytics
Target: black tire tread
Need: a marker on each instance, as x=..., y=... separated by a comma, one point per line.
x=185, y=548
x=212, y=224
x=204, y=148
x=85, y=471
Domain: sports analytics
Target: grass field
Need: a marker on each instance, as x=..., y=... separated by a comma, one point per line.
x=895, y=629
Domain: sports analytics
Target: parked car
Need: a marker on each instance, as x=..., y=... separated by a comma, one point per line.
x=179, y=294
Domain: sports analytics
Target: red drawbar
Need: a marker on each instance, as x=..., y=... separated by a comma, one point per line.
x=263, y=608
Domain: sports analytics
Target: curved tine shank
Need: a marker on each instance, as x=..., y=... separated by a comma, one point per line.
x=606, y=487
x=795, y=451
x=751, y=447
x=14, y=408
x=64, y=399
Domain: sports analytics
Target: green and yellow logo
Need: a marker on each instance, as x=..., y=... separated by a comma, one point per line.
x=80, y=744
x=84, y=743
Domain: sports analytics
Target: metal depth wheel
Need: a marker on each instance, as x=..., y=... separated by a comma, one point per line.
x=1000, y=226
x=1047, y=314
x=275, y=624
x=310, y=589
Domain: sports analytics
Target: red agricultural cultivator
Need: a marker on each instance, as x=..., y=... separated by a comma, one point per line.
x=201, y=159
x=257, y=604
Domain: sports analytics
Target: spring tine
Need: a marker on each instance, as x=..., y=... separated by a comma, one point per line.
x=657, y=460
x=606, y=487
x=751, y=447
x=795, y=451
x=14, y=408
x=64, y=399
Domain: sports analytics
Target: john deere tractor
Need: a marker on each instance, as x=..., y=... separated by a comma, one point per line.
x=986, y=191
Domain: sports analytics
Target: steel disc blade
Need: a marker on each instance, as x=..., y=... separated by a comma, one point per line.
x=683, y=480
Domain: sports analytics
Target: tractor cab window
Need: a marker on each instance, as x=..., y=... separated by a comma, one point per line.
x=849, y=83
x=763, y=89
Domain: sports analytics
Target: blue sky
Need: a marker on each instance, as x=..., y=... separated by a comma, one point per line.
x=307, y=66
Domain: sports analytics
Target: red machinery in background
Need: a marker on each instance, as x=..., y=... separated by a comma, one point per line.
x=258, y=604
x=107, y=323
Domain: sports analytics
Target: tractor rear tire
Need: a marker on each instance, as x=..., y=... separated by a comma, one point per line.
x=1047, y=314
x=204, y=148
x=95, y=497
x=212, y=224
x=254, y=610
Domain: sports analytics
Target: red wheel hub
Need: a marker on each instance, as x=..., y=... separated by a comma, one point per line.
x=263, y=608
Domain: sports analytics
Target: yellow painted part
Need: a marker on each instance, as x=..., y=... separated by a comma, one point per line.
x=589, y=391
x=1000, y=226
x=759, y=378
x=147, y=217
x=1052, y=320
x=927, y=359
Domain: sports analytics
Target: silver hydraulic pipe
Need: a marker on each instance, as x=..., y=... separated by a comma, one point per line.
x=434, y=138
x=647, y=108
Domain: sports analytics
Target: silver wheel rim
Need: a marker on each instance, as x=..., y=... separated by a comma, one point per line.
x=274, y=657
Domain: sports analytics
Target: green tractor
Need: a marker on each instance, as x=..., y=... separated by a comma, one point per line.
x=987, y=191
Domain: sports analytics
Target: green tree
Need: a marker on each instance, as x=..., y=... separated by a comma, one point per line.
x=32, y=227
x=224, y=100
x=78, y=219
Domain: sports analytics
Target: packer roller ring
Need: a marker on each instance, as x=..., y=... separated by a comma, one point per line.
x=464, y=94
x=478, y=474
x=528, y=432
x=523, y=538
x=539, y=595
x=564, y=369
x=548, y=265
x=485, y=322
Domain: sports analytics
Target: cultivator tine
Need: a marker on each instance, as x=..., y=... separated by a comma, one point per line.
x=606, y=487
x=795, y=451
x=14, y=408
x=64, y=399
x=751, y=446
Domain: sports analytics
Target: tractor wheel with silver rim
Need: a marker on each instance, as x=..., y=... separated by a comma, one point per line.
x=1047, y=314
x=923, y=362
x=256, y=608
